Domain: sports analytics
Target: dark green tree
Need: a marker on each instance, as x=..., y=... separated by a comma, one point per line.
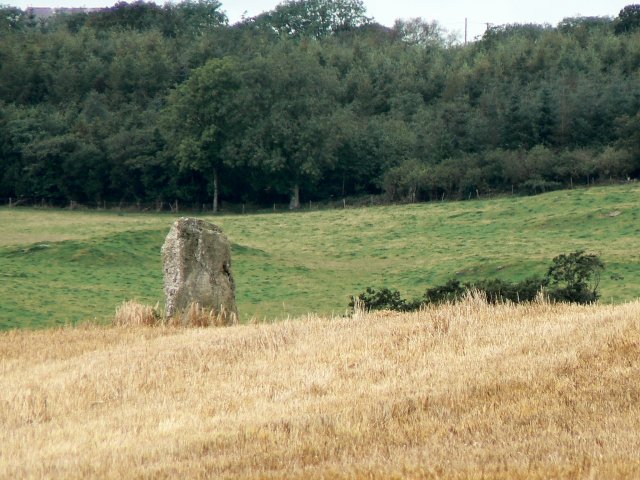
x=11, y=19
x=192, y=18
x=575, y=277
x=289, y=136
x=138, y=15
x=201, y=120
x=546, y=121
x=313, y=18
x=629, y=139
x=628, y=19
x=417, y=31
x=517, y=125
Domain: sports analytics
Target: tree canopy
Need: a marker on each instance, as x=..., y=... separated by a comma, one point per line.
x=310, y=101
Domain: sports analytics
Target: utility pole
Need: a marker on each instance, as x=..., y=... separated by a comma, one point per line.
x=465, y=30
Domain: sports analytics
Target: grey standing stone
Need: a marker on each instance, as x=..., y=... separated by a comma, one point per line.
x=196, y=258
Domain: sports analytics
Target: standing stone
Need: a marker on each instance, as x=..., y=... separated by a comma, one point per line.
x=196, y=258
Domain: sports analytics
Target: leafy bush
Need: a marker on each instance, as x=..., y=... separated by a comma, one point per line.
x=571, y=277
x=384, y=299
x=500, y=291
x=575, y=277
x=451, y=291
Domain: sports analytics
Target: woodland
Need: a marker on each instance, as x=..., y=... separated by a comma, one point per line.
x=311, y=101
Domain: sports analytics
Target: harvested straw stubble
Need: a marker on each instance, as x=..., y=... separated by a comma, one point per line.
x=456, y=391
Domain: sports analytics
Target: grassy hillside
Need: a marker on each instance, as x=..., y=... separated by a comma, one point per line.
x=464, y=391
x=62, y=266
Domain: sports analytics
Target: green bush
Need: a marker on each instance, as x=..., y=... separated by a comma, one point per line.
x=452, y=291
x=500, y=291
x=383, y=299
x=571, y=277
x=575, y=277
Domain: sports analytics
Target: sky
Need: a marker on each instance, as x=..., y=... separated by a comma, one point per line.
x=450, y=13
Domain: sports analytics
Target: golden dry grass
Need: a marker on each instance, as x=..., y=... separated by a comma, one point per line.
x=135, y=314
x=132, y=313
x=458, y=391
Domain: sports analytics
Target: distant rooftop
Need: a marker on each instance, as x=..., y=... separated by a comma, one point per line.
x=45, y=12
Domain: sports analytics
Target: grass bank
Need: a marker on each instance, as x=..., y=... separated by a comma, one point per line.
x=463, y=391
x=62, y=267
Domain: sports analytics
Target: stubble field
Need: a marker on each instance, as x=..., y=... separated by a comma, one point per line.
x=458, y=391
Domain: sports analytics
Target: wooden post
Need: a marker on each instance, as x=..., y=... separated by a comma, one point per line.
x=243, y=208
x=10, y=202
x=274, y=206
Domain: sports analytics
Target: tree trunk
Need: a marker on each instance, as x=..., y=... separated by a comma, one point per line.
x=294, y=202
x=216, y=190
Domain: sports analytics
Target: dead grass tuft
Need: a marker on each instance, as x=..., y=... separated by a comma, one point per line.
x=198, y=316
x=134, y=314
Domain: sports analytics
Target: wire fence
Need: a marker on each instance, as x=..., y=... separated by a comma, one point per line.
x=101, y=205
x=178, y=206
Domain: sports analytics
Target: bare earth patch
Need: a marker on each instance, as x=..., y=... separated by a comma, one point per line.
x=459, y=391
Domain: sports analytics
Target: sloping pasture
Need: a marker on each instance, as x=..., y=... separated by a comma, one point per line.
x=59, y=267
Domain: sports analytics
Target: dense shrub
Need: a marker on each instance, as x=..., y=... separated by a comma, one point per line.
x=383, y=299
x=451, y=291
x=575, y=277
x=571, y=278
x=500, y=291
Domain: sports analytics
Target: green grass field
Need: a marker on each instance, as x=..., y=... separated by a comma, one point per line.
x=59, y=267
